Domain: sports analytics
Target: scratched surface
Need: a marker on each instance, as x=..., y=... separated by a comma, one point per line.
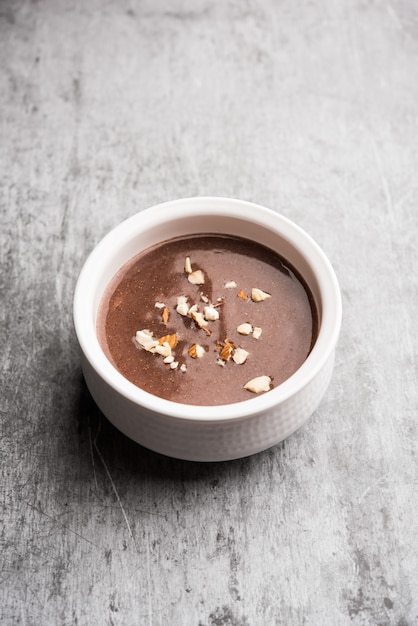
x=310, y=108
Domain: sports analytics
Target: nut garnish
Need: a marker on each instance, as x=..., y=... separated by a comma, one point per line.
x=258, y=384
x=187, y=265
x=257, y=295
x=210, y=313
x=244, y=329
x=146, y=339
x=182, y=306
x=165, y=315
x=196, y=278
x=172, y=340
x=240, y=355
x=196, y=351
x=198, y=318
x=163, y=349
x=257, y=332
x=227, y=350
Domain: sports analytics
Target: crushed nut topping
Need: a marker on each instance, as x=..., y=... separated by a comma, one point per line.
x=257, y=332
x=163, y=349
x=210, y=313
x=196, y=278
x=162, y=346
x=258, y=384
x=257, y=295
x=227, y=350
x=240, y=355
x=182, y=306
x=198, y=318
x=196, y=351
x=145, y=338
x=244, y=329
x=172, y=340
x=165, y=315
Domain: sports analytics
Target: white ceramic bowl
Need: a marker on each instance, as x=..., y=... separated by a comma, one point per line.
x=207, y=433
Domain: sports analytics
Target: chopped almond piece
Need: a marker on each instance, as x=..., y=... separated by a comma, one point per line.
x=146, y=340
x=196, y=278
x=258, y=384
x=183, y=309
x=172, y=340
x=244, y=329
x=187, y=265
x=196, y=351
x=159, y=305
x=163, y=349
x=226, y=351
x=257, y=332
x=182, y=306
x=231, y=284
x=198, y=318
x=165, y=315
x=240, y=355
x=257, y=295
x=210, y=313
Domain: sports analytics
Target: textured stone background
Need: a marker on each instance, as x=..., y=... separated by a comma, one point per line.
x=308, y=107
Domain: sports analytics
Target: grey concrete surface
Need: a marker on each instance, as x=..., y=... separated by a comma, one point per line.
x=310, y=108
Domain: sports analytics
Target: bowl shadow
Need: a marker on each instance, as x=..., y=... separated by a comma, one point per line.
x=104, y=440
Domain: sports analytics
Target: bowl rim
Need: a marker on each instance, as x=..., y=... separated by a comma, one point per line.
x=85, y=319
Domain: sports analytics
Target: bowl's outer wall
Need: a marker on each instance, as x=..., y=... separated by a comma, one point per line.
x=220, y=440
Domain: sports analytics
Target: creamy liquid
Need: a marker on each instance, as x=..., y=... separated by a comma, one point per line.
x=288, y=318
